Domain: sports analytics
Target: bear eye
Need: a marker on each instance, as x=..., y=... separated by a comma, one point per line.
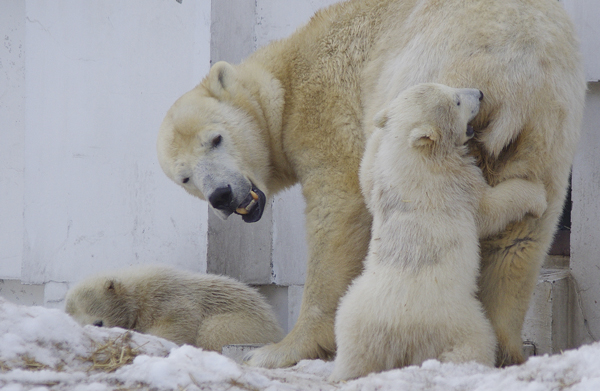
x=458, y=102
x=216, y=141
x=185, y=180
x=98, y=323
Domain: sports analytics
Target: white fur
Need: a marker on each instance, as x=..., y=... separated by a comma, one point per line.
x=416, y=297
x=203, y=310
x=300, y=109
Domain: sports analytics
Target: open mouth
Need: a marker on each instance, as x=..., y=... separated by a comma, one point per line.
x=251, y=209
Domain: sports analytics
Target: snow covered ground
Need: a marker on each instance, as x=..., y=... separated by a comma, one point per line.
x=44, y=349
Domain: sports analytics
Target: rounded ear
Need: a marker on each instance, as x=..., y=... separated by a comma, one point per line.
x=221, y=78
x=112, y=286
x=381, y=118
x=422, y=136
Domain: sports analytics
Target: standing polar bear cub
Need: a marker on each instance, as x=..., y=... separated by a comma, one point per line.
x=203, y=310
x=430, y=204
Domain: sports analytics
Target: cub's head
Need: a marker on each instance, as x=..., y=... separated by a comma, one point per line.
x=434, y=117
x=103, y=302
x=211, y=144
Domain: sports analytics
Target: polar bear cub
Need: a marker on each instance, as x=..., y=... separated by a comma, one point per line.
x=202, y=310
x=416, y=299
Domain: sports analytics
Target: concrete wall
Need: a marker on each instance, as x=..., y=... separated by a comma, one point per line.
x=85, y=192
x=272, y=252
x=585, y=230
x=83, y=88
x=586, y=15
x=585, y=216
x=81, y=188
x=12, y=132
x=274, y=249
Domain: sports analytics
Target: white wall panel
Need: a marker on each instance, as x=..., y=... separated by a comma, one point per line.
x=586, y=16
x=99, y=78
x=277, y=19
x=585, y=217
x=12, y=128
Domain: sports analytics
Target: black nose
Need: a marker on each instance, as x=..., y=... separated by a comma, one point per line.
x=480, y=96
x=221, y=198
x=98, y=323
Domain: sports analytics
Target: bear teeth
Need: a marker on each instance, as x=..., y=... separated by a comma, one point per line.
x=245, y=210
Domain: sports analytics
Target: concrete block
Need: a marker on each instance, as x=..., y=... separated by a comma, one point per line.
x=54, y=294
x=290, y=251
x=277, y=296
x=237, y=352
x=585, y=215
x=240, y=250
x=286, y=302
x=528, y=349
x=15, y=292
x=547, y=323
x=270, y=251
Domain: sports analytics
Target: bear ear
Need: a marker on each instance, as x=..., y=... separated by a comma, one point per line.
x=381, y=118
x=112, y=286
x=221, y=78
x=422, y=136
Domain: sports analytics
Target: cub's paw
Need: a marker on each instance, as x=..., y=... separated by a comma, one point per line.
x=538, y=202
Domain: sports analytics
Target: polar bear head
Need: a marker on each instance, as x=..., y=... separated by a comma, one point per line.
x=213, y=142
x=434, y=117
x=427, y=120
x=102, y=301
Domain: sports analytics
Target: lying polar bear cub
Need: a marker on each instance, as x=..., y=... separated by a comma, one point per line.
x=203, y=310
x=416, y=299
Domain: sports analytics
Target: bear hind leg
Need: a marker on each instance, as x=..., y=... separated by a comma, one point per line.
x=361, y=356
x=478, y=345
x=338, y=226
x=236, y=328
x=510, y=267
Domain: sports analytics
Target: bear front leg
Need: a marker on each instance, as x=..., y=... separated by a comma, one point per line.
x=509, y=201
x=510, y=264
x=511, y=260
x=338, y=230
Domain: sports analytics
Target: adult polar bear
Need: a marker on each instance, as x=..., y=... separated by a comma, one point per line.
x=299, y=110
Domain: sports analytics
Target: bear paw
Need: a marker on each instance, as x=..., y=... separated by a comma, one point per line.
x=285, y=354
x=539, y=204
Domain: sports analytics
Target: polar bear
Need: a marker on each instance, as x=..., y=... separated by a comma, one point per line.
x=203, y=310
x=299, y=110
x=415, y=300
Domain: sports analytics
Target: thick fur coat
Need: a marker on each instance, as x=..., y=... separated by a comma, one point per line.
x=416, y=299
x=203, y=310
x=299, y=111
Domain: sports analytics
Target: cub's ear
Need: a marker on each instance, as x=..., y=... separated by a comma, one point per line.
x=113, y=286
x=422, y=136
x=381, y=118
x=221, y=78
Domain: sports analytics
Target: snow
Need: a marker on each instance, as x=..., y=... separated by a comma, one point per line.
x=44, y=349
